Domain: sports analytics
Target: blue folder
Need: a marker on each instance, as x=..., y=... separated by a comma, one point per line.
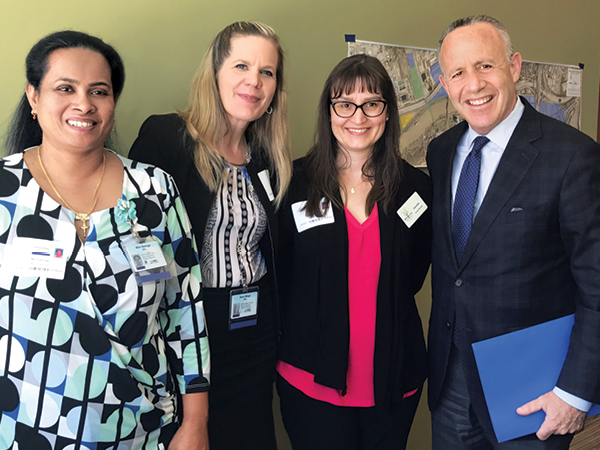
x=518, y=367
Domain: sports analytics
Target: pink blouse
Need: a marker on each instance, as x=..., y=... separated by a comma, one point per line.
x=364, y=259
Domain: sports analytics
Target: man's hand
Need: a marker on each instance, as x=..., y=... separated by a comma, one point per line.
x=561, y=418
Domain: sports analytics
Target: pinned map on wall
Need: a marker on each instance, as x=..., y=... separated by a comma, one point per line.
x=426, y=111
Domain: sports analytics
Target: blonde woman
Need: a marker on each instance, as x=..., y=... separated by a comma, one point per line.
x=229, y=155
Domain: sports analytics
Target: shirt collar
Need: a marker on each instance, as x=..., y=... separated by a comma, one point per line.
x=503, y=131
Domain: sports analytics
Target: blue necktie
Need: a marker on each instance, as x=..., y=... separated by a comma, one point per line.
x=464, y=199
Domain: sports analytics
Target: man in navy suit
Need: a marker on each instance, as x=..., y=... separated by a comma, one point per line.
x=527, y=252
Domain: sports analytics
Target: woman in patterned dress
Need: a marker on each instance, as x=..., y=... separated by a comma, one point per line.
x=93, y=349
x=229, y=155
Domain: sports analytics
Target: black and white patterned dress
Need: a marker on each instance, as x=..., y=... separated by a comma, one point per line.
x=93, y=361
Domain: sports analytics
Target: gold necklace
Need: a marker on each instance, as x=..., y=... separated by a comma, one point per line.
x=85, y=218
x=357, y=186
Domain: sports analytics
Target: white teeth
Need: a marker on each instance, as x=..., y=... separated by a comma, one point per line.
x=76, y=123
x=479, y=102
x=359, y=130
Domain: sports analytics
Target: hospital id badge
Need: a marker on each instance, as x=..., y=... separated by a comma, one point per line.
x=30, y=257
x=243, y=307
x=146, y=259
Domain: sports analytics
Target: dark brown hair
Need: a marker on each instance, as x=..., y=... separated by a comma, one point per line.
x=384, y=166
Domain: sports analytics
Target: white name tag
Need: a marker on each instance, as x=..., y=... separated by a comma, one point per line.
x=244, y=305
x=304, y=222
x=29, y=257
x=265, y=179
x=412, y=209
x=145, y=256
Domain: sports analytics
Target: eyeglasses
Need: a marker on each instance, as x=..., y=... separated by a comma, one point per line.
x=373, y=108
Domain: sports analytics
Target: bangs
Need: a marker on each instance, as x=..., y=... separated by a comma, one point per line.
x=356, y=77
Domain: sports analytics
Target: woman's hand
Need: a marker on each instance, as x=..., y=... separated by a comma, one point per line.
x=190, y=437
x=193, y=432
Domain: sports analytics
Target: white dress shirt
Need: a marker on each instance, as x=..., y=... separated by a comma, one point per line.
x=490, y=153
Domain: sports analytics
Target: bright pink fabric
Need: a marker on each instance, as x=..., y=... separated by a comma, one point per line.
x=364, y=260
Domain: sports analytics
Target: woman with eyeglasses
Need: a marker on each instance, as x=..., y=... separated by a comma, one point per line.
x=355, y=248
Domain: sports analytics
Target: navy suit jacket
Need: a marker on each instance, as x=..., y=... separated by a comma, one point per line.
x=533, y=254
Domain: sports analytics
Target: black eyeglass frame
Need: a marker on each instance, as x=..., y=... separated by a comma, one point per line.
x=358, y=106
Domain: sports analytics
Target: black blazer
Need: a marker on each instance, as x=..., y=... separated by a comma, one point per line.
x=533, y=254
x=314, y=292
x=164, y=142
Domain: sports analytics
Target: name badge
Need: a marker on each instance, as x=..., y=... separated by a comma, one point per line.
x=305, y=222
x=265, y=179
x=145, y=255
x=412, y=209
x=146, y=259
x=243, y=307
x=29, y=257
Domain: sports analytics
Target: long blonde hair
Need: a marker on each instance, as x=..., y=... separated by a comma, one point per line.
x=207, y=121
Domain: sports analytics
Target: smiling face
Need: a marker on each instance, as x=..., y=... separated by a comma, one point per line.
x=74, y=103
x=247, y=79
x=358, y=133
x=479, y=79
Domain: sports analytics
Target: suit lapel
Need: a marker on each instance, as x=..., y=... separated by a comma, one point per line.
x=516, y=161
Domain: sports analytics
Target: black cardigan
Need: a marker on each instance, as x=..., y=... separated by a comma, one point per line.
x=163, y=141
x=313, y=288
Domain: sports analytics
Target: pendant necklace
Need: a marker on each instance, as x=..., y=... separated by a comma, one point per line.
x=352, y=190
x=85, y=218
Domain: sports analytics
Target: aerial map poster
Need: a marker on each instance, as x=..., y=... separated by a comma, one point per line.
x=426, y=111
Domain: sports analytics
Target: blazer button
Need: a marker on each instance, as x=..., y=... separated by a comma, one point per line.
x=458, y=282
x=448, y=325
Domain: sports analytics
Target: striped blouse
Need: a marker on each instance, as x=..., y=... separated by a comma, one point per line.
x=230, y=255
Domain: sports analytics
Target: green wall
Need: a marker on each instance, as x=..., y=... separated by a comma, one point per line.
x=162, y=41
